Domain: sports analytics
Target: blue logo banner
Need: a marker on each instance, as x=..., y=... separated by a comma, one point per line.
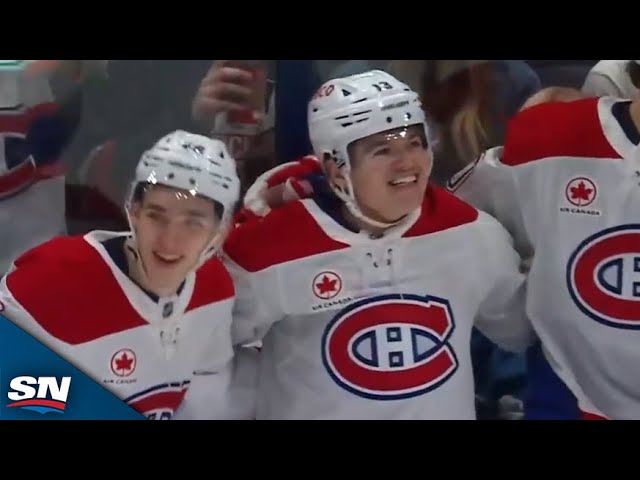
x=37, y=384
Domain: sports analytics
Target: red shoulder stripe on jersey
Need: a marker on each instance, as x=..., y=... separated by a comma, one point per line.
x=213, y=284
x=162, y=400
x=562, y=129
x=66, y=286
x=591, y=416
x=287, y=233
x=441, y=211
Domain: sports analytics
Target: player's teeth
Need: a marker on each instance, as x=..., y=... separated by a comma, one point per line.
x=168, y=258
x=404, y=180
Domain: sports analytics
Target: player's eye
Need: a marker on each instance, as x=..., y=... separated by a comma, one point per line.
x=194, y=223
x=380, y=152
x=416, y=142
x=155, y=217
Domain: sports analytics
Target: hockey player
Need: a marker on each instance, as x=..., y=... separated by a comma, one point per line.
x=141, y=311
x=546, y=395
x=364, y=296
x=566, y=184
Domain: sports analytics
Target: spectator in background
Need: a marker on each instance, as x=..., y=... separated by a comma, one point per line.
x=616, y=78
x=470, y=101
x=230, y=86
x=328, y=69
x=123, y=111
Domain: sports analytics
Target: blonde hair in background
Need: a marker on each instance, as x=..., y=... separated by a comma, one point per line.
x=416, y=74
x=468, y=128
x=469, y=136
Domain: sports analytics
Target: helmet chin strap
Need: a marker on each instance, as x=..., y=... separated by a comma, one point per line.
x=210, y=250
x=351, y=204
x=132, y=246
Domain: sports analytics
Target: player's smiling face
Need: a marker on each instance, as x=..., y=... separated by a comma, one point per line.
x=172, y=230
x=389, y=173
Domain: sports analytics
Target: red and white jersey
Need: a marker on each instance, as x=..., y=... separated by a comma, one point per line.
x=32, y=198
x=355, y=327
x=71, y=295
x=567, y=186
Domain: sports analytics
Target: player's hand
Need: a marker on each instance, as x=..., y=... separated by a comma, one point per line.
x=279, y=186
x=226, y=87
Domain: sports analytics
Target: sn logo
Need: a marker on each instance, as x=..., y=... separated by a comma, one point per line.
x=50, y=395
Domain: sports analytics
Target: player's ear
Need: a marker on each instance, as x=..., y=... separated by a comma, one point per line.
x=333, y=173
x=134, y=209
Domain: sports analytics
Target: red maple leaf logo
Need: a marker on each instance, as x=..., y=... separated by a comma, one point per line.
x=581, y=192
x=326, y=285
x=124, y=363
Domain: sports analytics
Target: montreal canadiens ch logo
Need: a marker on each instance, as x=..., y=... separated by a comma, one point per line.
x=603, y=276
x=391, y=347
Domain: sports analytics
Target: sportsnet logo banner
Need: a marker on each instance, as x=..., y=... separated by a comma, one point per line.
x=37, y=384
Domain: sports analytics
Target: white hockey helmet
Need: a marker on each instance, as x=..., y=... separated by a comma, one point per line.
x=347, y=109
x=197, y=164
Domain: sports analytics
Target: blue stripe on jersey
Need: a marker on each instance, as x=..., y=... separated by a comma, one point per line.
x=156, y=388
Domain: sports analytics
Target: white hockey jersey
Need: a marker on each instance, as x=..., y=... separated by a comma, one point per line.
x=32, y=197
x=609, y=78
x=567, y=186
x=354, y=327
x=72, y=296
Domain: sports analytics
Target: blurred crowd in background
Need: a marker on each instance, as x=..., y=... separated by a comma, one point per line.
x=73, y=130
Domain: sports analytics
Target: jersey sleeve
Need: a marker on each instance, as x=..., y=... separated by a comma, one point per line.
x=258, y=297
x=225, y=394
x=598, y=85
x=491, y=186
x=256, y=308
x=502, y=313
x=223, y=383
